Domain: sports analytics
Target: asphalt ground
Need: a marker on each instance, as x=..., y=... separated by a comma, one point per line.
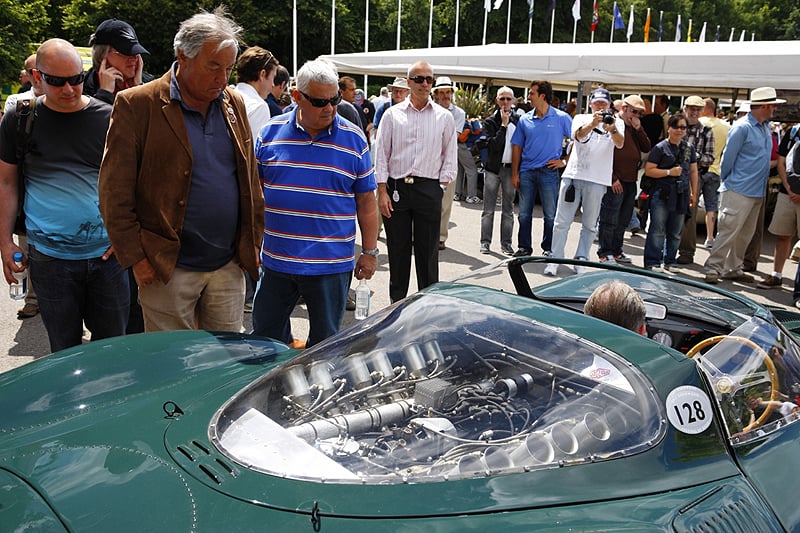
x=22, y=341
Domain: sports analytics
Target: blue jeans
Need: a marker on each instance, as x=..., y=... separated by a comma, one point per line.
x=615, y=217
x=588, y=196
x=491, y=183
x=544, y=181
x=74, y=292
x=277, y=294
x=665, y=228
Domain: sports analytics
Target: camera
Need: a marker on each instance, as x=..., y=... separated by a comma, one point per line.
x=608, y=117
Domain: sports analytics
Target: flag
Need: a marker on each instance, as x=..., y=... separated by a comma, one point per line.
x=619, y=24
x=530, y=10
x=689, y=32
x=678, y=30
x=576, y=10
x=552, y=7
x=702, y=37
x=487, y=5
x=497, y=4
x=647, y=27
x=660, y=24
x=595, y=16
x=630, y=24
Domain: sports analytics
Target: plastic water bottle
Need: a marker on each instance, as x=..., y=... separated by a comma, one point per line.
x=19, y=290
x=362, y=300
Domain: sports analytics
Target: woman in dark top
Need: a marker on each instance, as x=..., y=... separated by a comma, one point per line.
x=671, y=179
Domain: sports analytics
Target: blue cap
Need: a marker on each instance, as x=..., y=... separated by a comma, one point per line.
x=17, y=257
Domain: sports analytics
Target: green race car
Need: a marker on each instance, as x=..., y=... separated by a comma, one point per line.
x=483, y=403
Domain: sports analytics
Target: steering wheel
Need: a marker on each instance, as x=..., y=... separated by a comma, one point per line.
x=733, y=383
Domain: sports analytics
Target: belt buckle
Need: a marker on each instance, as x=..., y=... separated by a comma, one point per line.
x=409, y=180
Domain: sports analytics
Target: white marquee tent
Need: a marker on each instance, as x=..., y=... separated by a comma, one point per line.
x=717, y=69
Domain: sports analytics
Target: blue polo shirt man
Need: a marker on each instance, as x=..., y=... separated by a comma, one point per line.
x=536, y=148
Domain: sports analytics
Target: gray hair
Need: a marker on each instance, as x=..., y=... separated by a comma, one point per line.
x=316, y=71
x=505, y=89
x=99, y=53
x=204, y=27
x=618, y=303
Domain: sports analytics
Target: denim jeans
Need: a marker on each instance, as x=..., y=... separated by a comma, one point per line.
x=72, y=292
x=544, y=181
x=277, y=294
x=588, y=196
x=491, y=184
x=616, y=211
x=665, y=228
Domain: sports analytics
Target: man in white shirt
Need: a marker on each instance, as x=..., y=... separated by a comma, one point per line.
x=255, y=71
x=587, y=175
x=415, y=159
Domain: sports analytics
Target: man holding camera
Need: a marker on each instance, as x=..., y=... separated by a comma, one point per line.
x=587, y=175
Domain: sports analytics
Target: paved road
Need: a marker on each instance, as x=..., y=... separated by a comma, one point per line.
x=22, y=341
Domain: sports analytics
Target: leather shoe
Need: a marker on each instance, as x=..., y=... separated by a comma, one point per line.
x=29, y=310
x=441, y=245
x=685, y=260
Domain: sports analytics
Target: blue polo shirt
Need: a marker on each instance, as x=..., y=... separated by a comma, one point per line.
x=541, y=139
x=210, y=223
x=310, y=187
x=745, y=159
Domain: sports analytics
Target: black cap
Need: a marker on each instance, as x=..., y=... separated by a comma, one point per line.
x=120, y=35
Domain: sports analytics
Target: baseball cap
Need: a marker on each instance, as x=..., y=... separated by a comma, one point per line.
x=120, y=35
x=600, y=94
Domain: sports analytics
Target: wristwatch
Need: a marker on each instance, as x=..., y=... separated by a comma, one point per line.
x=373, y=253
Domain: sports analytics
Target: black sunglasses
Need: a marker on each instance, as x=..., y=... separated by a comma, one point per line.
x=60, y=81
x=322, y=102
x=421, y=79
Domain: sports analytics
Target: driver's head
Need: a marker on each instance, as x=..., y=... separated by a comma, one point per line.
x=618, y=303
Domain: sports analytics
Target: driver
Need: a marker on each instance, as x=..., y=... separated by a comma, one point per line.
x=618, y=303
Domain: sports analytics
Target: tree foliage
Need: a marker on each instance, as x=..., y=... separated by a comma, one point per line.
x=269, y=23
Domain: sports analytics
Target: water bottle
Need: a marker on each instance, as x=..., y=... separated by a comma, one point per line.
x=362, y=300
x=19, y=290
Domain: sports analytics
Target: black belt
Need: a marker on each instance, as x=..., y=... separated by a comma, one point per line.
x=505, y=165
x=411, y=180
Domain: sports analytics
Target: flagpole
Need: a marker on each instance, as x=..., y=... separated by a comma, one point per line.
x=485, y=19
x=574, y=30
x=430, y=24
x=508, y=23
x=333, y=26
x=552, y=24
x=458, y=16
x=730, y=39
x=294, y=36
x=399, y=11
x=366, y=40
x=530, y=27
x=613, y=13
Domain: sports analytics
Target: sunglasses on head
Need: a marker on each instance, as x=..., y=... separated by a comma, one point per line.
x=322, y=102
x=421, y=79
x=60, y=81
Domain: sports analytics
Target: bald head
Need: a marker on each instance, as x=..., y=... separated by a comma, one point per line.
x=59, y=70
x=58, y=51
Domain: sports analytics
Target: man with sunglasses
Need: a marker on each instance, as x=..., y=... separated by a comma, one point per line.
x=179, y=190
x=318, y=181
x=77, y=277
x=415, y=159
x=498, y=129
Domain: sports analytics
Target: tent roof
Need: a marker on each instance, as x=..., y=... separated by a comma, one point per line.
x=708, y=69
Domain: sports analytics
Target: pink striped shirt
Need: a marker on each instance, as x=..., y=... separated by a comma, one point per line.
x=413, y=142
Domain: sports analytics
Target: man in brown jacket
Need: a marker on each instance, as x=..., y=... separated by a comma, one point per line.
x=179, y=190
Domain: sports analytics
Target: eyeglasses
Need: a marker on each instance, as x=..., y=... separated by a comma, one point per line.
x=678, y=127
x=322, y=102
x=421, y=79
x=634, y=111
x=504, y=98
x=60, y=81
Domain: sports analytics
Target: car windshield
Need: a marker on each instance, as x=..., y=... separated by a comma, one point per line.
x=440, y=388
x=755, y=375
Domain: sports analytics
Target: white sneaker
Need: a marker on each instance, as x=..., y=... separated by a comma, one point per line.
x=551, y=269
x=580, y=269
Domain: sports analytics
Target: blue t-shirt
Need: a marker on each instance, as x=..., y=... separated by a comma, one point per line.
x=541, y=139
x=61, y=202
x=310, y=189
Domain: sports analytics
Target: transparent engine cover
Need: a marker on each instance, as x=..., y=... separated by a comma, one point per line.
x=435, y=389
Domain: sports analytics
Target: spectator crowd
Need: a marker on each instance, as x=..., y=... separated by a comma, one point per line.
x=146, y=203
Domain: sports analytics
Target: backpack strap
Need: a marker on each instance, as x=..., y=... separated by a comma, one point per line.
x=26, y=112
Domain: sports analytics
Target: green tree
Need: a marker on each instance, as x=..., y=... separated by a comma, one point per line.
x=20, y=25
